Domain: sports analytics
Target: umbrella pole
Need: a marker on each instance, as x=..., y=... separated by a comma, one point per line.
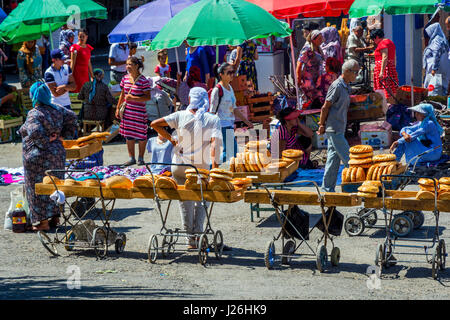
x=50, y=36
x=293, y=61
x=178, y=60
x=411, y=58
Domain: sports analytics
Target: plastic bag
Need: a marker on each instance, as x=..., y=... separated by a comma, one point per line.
x=434, y=85
x=17, y=196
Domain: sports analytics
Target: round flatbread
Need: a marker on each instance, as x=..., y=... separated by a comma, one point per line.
x=444, y=187
x=220, y=185
x=361, y=155
x=426, y=188
x=426, y=182
x=288, y=160
x=385, y=157
x=348, y=175
x=258, y=162
x=192, y=170
x=360, y=161
x=344, y=175
x=240, y=163
x=119, y=182
x=166, y=183
x=387, y=163
x=222, y=171
x=252, y=157
x=274, y=166
x=72, y=182
x=364, y=166
x=92, y=183
x=195, y=176
x=48, y=180
x=220, y=176
x=375, y=173
x=380, y=172
x=248, y=167
x=360, y=174
x=370, y=172
x=144, y=181
x=192, y=184
x=361, y=149
x=425, y=195
x=292, y=153
x=368, y=189
x=264, y=157
x=366, y=195
x=444, y=180
x=232, y=164
x=241, y=181
x=372, y=183
x=444, y=196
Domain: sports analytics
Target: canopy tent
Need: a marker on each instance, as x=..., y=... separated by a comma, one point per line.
x=32, y=18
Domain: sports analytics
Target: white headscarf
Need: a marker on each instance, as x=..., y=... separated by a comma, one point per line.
x=198, y=100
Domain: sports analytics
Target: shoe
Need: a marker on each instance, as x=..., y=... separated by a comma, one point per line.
x=141, y=162
x=42, y=226
x=129, y=163
x=54, y=222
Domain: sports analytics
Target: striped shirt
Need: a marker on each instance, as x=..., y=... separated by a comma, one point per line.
x=291, y=139
x=134, y=123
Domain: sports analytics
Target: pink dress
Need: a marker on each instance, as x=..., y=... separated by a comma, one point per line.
x=81, y=68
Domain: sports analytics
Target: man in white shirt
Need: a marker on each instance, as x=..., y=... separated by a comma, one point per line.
x=118, y=55
x=59, y=79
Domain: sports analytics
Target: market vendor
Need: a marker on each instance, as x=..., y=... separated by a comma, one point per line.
x=292, y=134
x=8, y=97
x=45, y=126
x=198, y=132
x=420, y=137
x=333, y=122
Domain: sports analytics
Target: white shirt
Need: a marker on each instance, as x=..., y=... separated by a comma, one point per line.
x=60, y=77
x=227, y=105
x=194, y=137
x=119, y=54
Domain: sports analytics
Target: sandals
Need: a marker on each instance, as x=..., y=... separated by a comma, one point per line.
x=54, y=222
x=42, y=226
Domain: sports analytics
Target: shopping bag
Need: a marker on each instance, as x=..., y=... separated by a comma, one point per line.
x=296, y=223
x=434, y=84
x=336, y=223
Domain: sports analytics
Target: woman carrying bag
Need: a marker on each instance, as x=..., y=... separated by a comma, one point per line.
x=131, y=109
x=223, y=104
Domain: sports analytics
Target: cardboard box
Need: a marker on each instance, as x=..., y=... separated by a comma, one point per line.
x=244, y=111
x=376, y=134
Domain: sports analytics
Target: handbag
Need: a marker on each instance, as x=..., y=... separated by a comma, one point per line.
x=124, y=104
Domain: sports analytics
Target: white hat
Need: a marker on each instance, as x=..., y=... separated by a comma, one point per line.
x=418, y=109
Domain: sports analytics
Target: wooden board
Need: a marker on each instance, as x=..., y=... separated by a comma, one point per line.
x=269, y=177
x=406, y=200
x=16, y=122
x=142, y=193
x=85, y=151
x=82, y=191
x=284, y=197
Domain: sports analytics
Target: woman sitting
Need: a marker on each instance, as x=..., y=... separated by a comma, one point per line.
x=97, y=99
x=292, y=135
x=422, y=136
x=8, y=98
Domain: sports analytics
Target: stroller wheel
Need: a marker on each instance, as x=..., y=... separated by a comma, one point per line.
x=368, y=215
x=288, y=250
x=269, y=255
x=417, y=218
x=152, y=248
x=322, y=258
x=335, y=256
x=354, y=225
x=401, y=225
x=121, y=241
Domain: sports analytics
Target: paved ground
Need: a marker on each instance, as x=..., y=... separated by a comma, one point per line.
x=28, y=271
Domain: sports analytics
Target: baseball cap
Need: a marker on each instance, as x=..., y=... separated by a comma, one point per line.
x=57, y=54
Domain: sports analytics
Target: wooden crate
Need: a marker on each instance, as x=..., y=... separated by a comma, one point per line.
x=75, y=104
x=12, y=123
x=85, y=151
x=286, y=197
x=269, y=177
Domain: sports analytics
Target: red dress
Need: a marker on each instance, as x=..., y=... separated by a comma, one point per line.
x=81, y=68
x=391, y=81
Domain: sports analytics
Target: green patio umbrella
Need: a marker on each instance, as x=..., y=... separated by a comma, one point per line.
x=32, y=18
x=219, y=22
x=364, y=8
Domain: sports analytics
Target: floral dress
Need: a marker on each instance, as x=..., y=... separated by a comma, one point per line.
x=312, y=69
x=247, y=64
x=39, y=154
x=324, y=83
x=29, y=75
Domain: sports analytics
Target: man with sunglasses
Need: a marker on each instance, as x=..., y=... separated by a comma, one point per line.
x=333, y=122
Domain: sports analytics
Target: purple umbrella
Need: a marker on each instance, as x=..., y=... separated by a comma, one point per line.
x=146, y=21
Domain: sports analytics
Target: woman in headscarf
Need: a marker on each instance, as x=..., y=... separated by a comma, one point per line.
x=197, y=132
x=193, y=79
x=331, y=46
x=67, y=39
x=29, y=63
x=42, y=132
x=421, y=136
x=97, y=99
x=309, y=68
x=436, y=57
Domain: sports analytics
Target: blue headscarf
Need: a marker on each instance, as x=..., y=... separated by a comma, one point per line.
x=437, y=40
x=94, y=84
x=39, y=92
x=428, y=110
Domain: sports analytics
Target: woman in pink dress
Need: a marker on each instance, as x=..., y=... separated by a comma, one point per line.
x=80, y=55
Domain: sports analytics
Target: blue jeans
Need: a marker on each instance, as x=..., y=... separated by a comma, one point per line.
x=229, y=142
x=337, y=151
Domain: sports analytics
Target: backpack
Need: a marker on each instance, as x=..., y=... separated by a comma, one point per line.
x=218, y=86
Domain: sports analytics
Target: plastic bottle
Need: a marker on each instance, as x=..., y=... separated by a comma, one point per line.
x=19, y=219
x=8, y=221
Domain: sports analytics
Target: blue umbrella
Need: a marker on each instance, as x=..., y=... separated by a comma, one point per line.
x=3, y=15
x=146, y=21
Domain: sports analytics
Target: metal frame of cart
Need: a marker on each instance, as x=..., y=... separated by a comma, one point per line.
x=66, y=233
